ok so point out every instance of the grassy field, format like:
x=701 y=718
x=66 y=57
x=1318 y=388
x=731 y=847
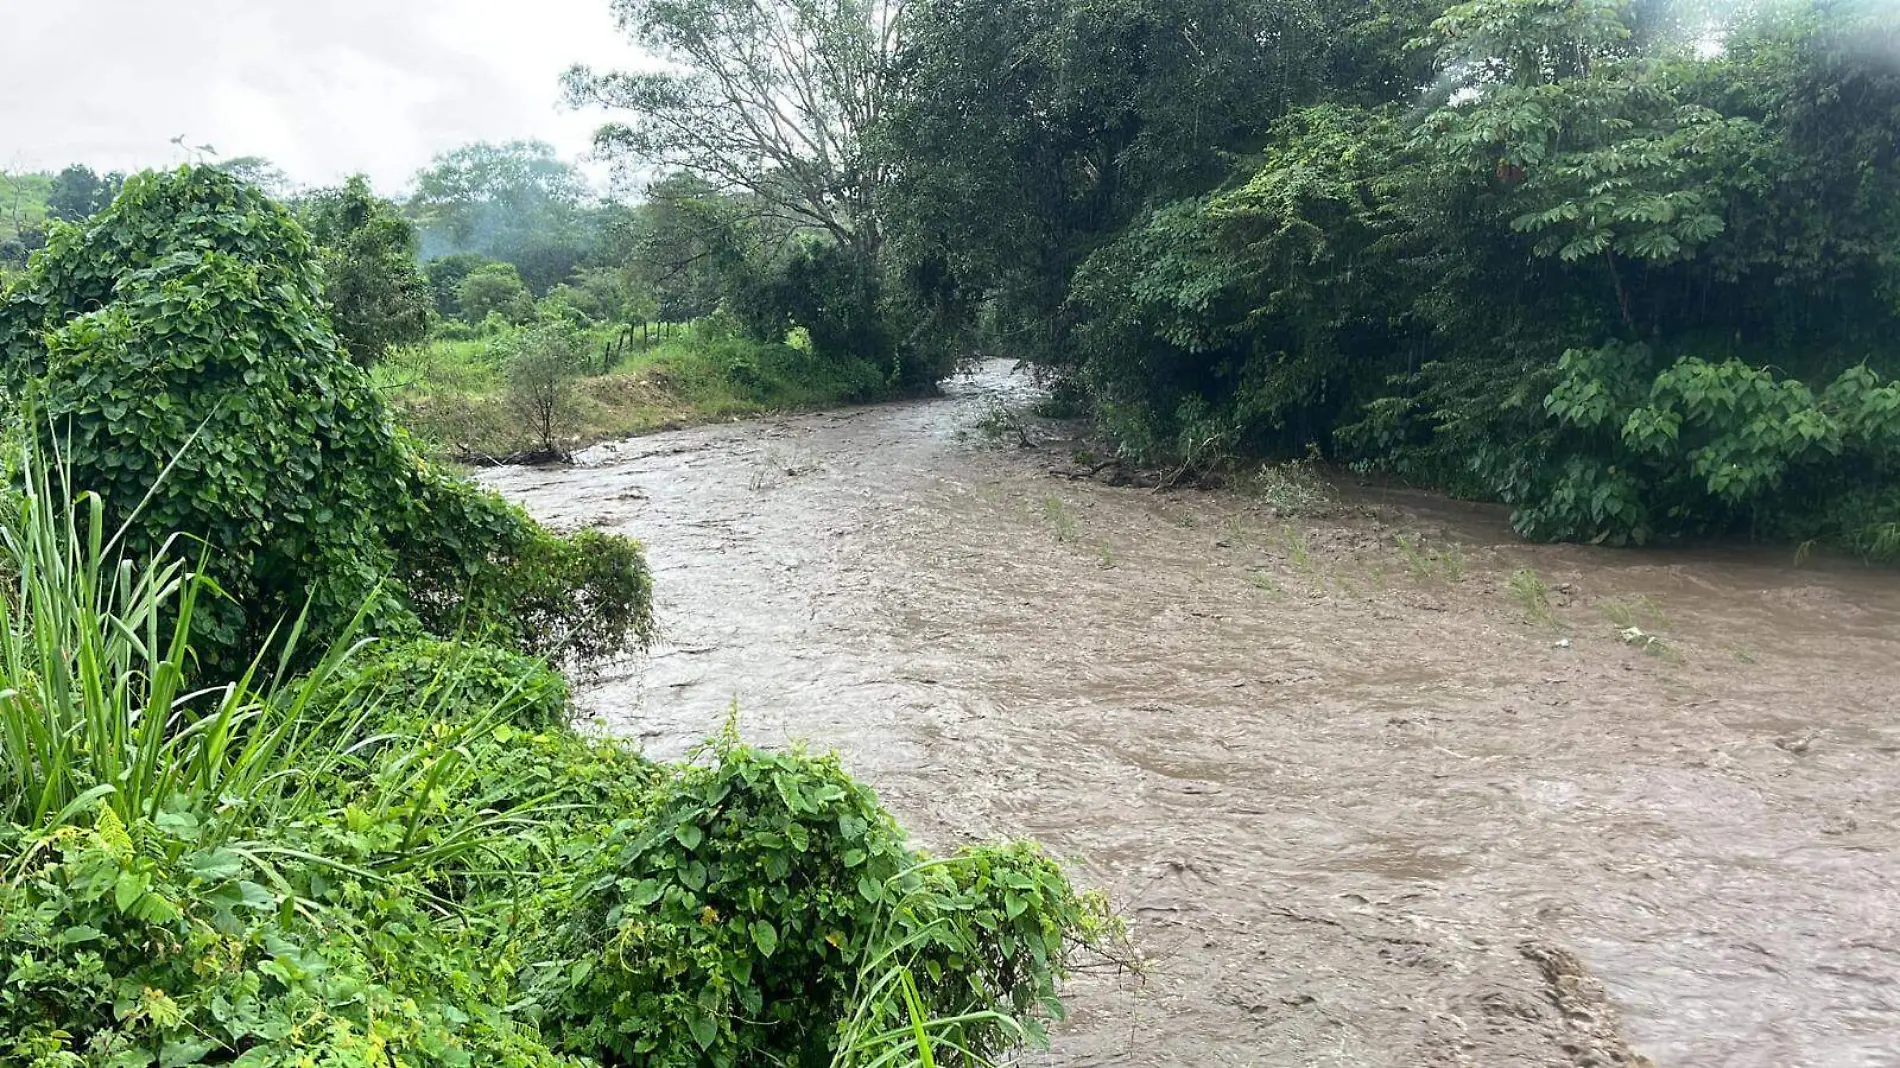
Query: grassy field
x=455 y=394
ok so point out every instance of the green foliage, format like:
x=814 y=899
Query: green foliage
x=542 y=366
x=397 y=679
x=455 y=391
x=686 y=240
x=1532 y=594
x=1032 y=135
x=476 y=566
x=92 y=663
x=730 y=927
x=180 y=332
x=242 y=873
x=140 y=944
x=606 y=295
x=1219 y=317
x=182 y=328
x=1397 y=277
x=494 y=289
x=837 y=299
x=515 y=202
x=782 y=218
x=444 y=275
x=818 y=74
x=78 y=193
x=24 y=213
x=256 y=171
x=1705 y=447
x=377 y=296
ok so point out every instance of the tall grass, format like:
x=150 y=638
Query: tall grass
x=101 y=707
x=889 y=1025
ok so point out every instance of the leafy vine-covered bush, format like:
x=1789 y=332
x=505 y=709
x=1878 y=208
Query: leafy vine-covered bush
x=476 y=566
x=183 y=332
x=1633 y=453
x=142 y=945
x=397 y=680
x=737 y=923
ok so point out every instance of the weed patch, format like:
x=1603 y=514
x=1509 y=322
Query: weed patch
x=1430 y=563
x=1291 y=490
x=1061 y=518
x=1531 y=594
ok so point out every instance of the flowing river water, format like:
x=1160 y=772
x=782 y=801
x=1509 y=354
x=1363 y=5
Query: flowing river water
x=1359 y=804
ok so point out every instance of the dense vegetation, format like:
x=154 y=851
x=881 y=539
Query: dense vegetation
x=1624 y=264
x=1622 y=278
x=1624 y=281
x=183 y=331
x=283 y=780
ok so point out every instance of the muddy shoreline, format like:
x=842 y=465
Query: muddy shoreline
x=1359 y=803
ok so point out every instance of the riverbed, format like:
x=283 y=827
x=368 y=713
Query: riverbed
x=1363 y=794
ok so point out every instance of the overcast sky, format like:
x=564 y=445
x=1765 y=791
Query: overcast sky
x=324 y=88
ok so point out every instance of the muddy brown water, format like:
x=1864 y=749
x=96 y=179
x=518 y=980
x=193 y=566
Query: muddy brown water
x=1358 y=805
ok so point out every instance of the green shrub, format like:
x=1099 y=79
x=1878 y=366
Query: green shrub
x=1633 y=453
x=475 y=565
x=139 y=945
x=541 y=367
x=378 y=297
x=245 y=873
x=401 y=679
x=734 y=926
x=190 y=314
x=494 y=289
x=182 y=331
x=444 y=275
x=839 y=300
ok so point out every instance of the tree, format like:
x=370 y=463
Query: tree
x=377 y=295
x=1027 y=135
x=444 y=275
x=688 y=242
x=517 y=202
x=78 y=193
x=542 y=364
x=772 y=97
x=494 y=289
x=607 y=295
x=257 y=171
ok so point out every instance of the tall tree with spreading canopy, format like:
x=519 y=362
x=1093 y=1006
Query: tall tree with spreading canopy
x=518 y=202
x=772 y=97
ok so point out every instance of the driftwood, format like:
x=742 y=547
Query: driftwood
x=1120 y=474
x=1079 y=474
x=525 y=458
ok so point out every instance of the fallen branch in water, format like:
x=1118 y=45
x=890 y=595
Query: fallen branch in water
x=1079 y=474
x=530 y=458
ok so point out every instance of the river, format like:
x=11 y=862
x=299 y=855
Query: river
x=1360 y=804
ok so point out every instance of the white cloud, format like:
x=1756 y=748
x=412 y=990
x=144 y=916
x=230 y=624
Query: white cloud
x=323 y=90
